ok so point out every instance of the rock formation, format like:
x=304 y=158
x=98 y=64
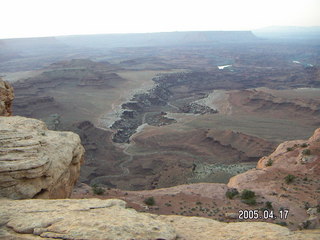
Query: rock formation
x=109 y=219
x=36 y=162
x=288 y=178
x=6 y=97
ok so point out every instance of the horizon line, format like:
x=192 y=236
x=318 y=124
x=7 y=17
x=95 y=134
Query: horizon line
x=181 y=31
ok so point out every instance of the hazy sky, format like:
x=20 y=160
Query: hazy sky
x=29 y=18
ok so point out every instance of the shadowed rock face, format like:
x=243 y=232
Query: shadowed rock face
x=109 y=219
x=36 y=162
x=6 y=97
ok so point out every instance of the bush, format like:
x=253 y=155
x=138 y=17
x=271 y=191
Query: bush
x=282 y=224
x=247 y=194
x=97 y=190
x=289 y=149
x=250 y=201
x=248 y=197
x=304 y=145
x=231 y=193
x=289 y=178
x=269 y=205
x=269 y=162
x=306 y=224
x=306 y=152
x=150 y=201
x=306 y=205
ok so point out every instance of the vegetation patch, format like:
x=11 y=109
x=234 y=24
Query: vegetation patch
x=248 y=197
x=269 y=205
x=306 y=152
x=306 y=205
x=231 y=193
x=97 y=190
x=289 y=178
x=149 y=201
x=282 y=224
x=269 y=162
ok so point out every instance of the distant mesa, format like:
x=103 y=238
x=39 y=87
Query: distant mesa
x=157 y=39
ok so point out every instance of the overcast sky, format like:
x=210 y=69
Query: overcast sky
x=33 y=18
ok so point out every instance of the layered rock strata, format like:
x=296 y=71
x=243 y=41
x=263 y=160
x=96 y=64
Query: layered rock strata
x=36 y=162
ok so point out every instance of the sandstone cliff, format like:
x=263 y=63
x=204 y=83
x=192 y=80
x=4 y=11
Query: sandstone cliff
x=6 y=97
x=36 y=162
x=109 y=219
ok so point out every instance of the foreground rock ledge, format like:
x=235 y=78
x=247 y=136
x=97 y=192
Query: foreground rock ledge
x=109 y=219
x=36 y=162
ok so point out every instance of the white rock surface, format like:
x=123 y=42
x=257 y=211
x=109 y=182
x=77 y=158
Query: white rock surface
x=95 y=219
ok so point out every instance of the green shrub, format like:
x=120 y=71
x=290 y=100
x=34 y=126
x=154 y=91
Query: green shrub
x=248 y=197
x=97 y=190
x=150 y=201
x=250 y=201
x=269 y=205
x=247 y=194
x=231 y=193
x=289 y=149
x=306 y=224
x=282 y=224
x=306 y=152
x=289 y=178
x=304 y=145
x=269 y=162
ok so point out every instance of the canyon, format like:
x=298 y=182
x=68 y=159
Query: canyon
x=181 y=136
x=93 y=218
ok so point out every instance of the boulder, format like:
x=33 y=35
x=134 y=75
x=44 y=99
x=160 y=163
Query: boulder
x=36 y=162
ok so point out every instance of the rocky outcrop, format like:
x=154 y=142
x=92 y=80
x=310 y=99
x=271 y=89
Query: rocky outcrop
x=36 y=162
x=288 y=178
x=6 y=97
x=109 y=219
